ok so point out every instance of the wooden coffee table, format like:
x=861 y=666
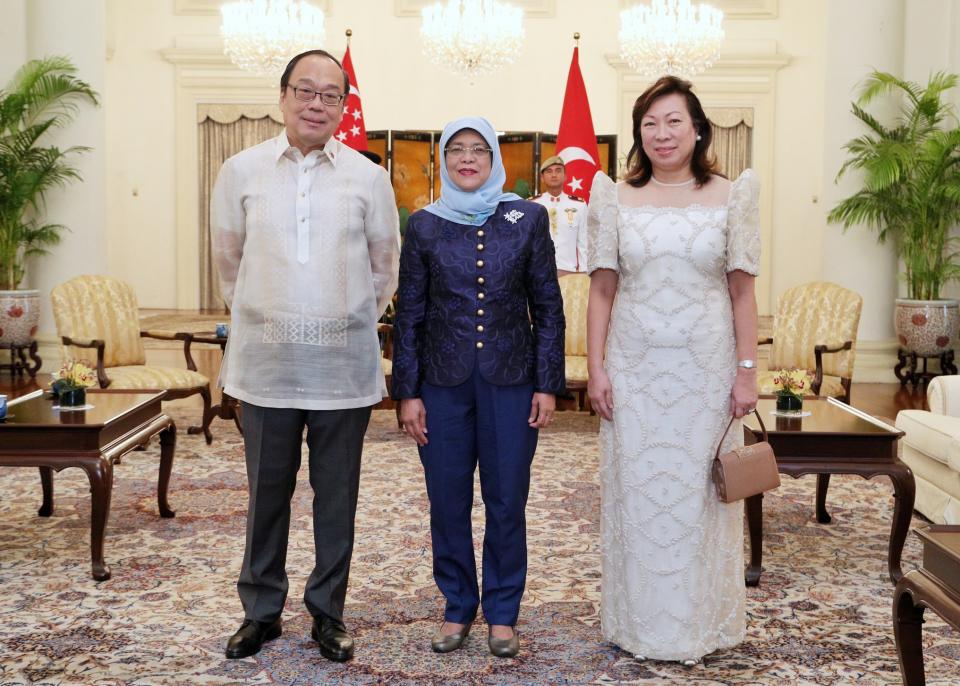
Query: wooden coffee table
x=936 y=585
x=834 y=439
x=36 y=435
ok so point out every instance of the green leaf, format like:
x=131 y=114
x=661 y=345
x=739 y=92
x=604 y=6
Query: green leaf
x=42 y=95
x=910 y=177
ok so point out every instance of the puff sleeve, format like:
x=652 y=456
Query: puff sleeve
x=743 y=224
x=602 y=241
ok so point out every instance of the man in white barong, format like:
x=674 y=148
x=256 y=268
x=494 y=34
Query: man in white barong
x=306 y=239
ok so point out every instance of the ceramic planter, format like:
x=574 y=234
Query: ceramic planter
x=927 y=327
x=19 y=317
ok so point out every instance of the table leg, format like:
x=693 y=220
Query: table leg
x=237 y=414
x=168 y=444
x=946 y=363
x=100 y=473
x=907 y=630
x=904 y=492
x=46 y=483
x=754 y=507
x=823 y=483
x=35 y=367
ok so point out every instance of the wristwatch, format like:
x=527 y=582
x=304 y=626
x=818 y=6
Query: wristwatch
x=747 y=364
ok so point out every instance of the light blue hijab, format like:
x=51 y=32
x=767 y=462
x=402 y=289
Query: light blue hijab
x=471 y=207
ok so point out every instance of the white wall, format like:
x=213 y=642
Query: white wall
x=13 y=37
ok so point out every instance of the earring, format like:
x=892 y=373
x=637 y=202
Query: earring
x=699 y=137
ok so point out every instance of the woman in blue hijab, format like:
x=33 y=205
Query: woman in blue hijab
x=477 y=363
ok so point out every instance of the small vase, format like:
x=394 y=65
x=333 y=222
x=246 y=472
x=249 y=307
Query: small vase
x=789 y=403
x=75 y=397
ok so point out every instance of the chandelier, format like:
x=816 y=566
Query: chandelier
x=472 y=37
x=261 y=36
x=670 y=37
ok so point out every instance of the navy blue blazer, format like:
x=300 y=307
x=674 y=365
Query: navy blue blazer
x=479 y=295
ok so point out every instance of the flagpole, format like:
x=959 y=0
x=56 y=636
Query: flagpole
x=576 y=38
x=349 y=33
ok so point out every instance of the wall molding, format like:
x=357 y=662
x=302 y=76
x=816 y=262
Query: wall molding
x=875 y=362
x=735 y=9
x=207 y=7
x=744 y=77
x=203 y=75
x=539 y=9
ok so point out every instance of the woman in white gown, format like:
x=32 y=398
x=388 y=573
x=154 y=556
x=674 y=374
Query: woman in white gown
x=672 y=338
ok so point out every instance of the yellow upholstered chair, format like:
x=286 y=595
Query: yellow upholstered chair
x=815 y=328
x=575 y=290
x=99 y=323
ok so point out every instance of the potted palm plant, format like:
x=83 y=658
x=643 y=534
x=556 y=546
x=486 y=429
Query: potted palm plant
x=44 y=94
x=911 y=195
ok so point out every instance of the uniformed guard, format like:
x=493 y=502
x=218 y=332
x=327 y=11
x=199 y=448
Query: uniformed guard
x=568 y=217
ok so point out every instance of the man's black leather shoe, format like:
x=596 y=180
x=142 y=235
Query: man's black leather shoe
x=335 y=643
x=250 y=638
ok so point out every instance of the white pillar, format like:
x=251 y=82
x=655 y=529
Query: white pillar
x=77 y=30
x=861 y=35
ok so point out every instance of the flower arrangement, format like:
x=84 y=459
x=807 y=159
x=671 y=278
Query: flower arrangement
x=788 y=385
x=72 y=377
x=791 y=382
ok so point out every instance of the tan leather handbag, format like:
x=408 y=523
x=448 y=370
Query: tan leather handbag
x=746 y=471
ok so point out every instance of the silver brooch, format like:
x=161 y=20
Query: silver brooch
x=513 y=216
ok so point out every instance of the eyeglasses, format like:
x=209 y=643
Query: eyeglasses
x=308 y=94
x=460 y=151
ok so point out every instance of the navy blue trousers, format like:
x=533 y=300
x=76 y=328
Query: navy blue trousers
x=478 y=422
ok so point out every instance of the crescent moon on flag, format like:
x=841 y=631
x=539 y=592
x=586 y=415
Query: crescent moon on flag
x=354 y=90
x=571 y=153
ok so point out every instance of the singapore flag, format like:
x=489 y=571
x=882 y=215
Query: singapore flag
x=576 y=141
x=352 y=131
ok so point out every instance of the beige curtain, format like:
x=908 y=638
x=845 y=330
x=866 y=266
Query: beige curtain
x=223 y=131
x=732 y=138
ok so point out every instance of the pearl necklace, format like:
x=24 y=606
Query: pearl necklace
x=672 y=185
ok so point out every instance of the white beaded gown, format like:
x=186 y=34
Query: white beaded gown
x=672 y=554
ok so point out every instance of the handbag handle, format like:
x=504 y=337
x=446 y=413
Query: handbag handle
x=730 y=423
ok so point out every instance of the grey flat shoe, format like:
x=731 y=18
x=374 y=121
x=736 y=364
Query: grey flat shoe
x=691 y=662
x=504 y=647
x=445 y=643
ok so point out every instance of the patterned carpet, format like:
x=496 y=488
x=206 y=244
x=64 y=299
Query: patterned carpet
x=820 y=616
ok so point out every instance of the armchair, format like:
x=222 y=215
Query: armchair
x=575 y=290
x=98 y=322
x=815 y=328
x=931 y=448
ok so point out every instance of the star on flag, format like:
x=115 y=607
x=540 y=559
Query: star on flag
x=576 y=140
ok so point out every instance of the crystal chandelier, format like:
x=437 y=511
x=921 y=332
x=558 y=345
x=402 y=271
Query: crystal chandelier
x=670 y=37
x=472 y=37
x=261 y=36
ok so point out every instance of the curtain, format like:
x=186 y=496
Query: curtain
x=732 y=138
x=223 y=131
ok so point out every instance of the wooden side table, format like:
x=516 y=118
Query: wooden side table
x=228 y=408
x=18 y=359
x=936 y=585
x=909 y=360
